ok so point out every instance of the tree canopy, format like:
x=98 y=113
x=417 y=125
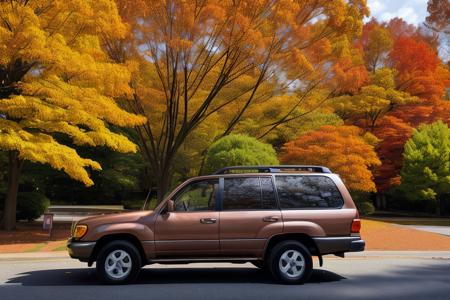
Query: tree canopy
x=55 y=79
x=239 y=150
x=426 y=168
x=344 y=149
x=193 y=60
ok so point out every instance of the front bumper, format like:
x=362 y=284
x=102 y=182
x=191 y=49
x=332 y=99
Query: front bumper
x=331 y=245
x=80 y=250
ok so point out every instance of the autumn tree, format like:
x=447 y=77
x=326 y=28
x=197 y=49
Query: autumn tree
x=426 y=169
x=439 y=14
x=400 y=28
x=416 y=70
x=373 y=100
x=55 y=80
x=376 y=42
x=239 y=150
x=346 y=150
x=192 y=60
x=419 y=69
x=392 y=132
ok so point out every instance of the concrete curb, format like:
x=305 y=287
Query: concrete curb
x=356 y=255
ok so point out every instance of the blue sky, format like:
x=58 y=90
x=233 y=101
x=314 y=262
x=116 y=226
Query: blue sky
x=412 y=11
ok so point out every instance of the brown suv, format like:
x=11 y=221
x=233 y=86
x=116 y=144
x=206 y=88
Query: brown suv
x=276 y=217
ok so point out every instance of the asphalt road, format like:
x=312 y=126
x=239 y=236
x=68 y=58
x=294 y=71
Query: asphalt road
x=383 y=277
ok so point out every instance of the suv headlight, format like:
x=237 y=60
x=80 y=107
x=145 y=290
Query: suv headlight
x=80 y=231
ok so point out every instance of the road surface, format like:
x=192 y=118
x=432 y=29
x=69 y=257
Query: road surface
x=386 y=276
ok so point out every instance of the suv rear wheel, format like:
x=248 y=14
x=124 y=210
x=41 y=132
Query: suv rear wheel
x=290 y=262
x=118 y=262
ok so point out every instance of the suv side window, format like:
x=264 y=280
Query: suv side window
x=297 y=191
x=197 y=196
x=268 y=200
x=247 y=193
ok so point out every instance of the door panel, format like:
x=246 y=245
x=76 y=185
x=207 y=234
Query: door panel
x=245 y=232
x=182 y=233
x=249 y=217
x=193 y=228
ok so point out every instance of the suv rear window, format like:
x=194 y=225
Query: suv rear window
x=297 y=191
x=247 y=193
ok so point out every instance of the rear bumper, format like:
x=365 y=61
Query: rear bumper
x=330 y=245
x=80 y=250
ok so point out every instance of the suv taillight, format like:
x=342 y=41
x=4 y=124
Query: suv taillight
x=356 y=225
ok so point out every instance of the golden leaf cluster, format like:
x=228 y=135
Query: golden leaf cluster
x=62 y=81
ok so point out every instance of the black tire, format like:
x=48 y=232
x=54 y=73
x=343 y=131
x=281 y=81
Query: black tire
x=294 y=274
x=118 y=248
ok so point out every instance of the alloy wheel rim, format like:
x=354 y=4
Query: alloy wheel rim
x=292 y=263
x=118 y=264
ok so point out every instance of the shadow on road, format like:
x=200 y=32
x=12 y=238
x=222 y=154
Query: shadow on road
x=62 y=277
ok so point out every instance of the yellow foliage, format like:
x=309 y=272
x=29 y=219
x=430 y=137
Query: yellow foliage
x=60 y=80
x=375 y=99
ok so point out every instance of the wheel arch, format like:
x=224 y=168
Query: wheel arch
x=116 y=237
x=303 y=238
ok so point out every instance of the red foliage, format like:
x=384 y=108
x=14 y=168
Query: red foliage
x=393 y=134
x=418 y=68
x=398 y=28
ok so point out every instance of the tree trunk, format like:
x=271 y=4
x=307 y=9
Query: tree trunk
x=380 y=202
x=9 y=212
x=163 y=184
x=439 y=206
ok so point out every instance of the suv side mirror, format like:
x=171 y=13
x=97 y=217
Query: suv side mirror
x=170 y=206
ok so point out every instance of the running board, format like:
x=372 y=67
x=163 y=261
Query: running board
x=235 y=260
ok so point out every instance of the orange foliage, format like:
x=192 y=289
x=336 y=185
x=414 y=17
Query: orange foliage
x=350 y=78
x=418 y=66
x=342 y=148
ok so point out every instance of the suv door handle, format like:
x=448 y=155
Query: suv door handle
x=208 y=221
x=270 y=219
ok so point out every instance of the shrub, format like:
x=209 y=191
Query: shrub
x=365 y=208
x=363 y=202
x=31 y=205
x=239 y=150
x=426 y=167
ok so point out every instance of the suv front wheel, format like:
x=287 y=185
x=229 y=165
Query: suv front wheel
x=118 y=262
x=290 y=262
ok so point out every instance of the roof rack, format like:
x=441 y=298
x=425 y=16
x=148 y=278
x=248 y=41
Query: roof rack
x=273 y=169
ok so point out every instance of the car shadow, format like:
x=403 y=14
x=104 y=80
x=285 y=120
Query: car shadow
x=155 y=275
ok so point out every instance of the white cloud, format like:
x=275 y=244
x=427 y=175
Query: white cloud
x=412 y=11
x=409 y=15
x=376 y=7
x=405 y=12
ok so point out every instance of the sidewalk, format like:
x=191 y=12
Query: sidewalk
x=444 y=230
